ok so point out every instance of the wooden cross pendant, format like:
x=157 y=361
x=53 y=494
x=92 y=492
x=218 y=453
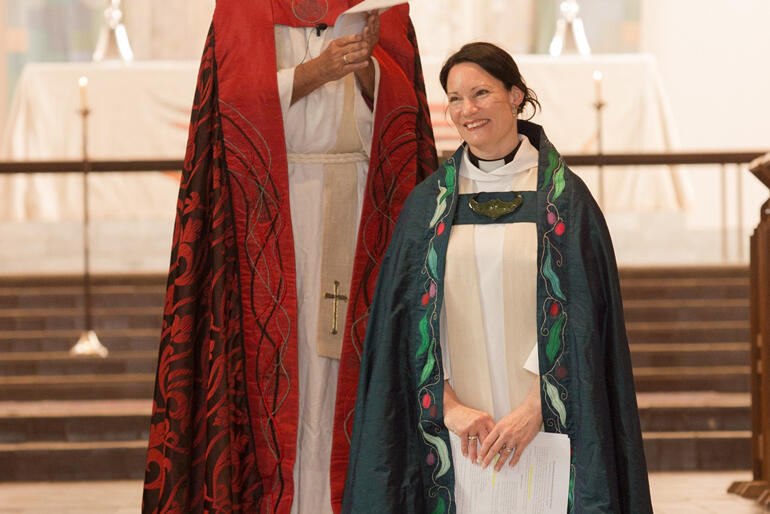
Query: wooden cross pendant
x=335 y=307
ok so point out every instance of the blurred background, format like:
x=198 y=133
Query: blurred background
x=682 y=83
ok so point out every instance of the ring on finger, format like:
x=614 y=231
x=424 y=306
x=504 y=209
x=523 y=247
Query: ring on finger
x=507 y=449
x=345 y=58
x=473 y=438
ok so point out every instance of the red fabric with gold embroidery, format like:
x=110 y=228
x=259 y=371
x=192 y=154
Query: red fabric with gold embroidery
x=224 y=424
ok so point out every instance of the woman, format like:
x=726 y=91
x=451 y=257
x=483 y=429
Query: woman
x=500 y=250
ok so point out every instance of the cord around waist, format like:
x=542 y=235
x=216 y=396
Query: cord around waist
x=327 y=158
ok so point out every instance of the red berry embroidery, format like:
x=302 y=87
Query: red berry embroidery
x=554 y=309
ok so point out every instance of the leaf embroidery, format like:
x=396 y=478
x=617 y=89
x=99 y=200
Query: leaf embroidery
x=553 y=161
x=428 y=369
x=554 y=339
x=440 y=507
x=440 y=205
x=558 y=182
x=442 y=450
x=424 y=341
x=549 y=273
x=553 y=395
x=432 y=261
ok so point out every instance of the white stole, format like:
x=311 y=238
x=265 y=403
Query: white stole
x=490 y=295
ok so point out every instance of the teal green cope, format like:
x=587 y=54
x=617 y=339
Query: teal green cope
x=400 y=459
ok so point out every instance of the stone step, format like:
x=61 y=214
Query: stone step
x=689 y=354
x=75 y=421
x=98 y=460
x=77 y=387
x=43 y=461
x=726 y=379
x=694 y=411
x=65 y=418
x=698 y=450
x=62 y=363
x=683 y=310
x=682 y=272
x=62 y=340
x=687 y=331
x=21 y=297
x=59 y=461
x=104 y=318
x=683 y=288
x=48 y=282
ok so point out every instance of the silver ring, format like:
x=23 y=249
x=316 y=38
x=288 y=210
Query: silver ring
x=473 y=438
x=345 y=58
x=507 y=449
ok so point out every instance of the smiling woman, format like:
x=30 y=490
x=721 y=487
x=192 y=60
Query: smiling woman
x=497 y=314
x=483 y=111
x=486 y=93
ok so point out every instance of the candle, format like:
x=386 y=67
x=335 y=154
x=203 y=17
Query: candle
x=598 y=85
x=83 y=83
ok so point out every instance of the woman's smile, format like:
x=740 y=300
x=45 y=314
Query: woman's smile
x=483 y=111
x=473 y=125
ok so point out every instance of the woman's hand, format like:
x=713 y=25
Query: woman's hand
x=470 y=425
x=511 y=435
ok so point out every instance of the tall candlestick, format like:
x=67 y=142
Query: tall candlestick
x=83 y=83
x=89 y=343
x=598 y=106
x=598 y=85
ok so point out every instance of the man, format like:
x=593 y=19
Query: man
x=291 y=186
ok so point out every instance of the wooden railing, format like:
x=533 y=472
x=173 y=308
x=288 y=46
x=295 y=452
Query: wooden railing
x=722 y=159
x=619 y=159
x=95 y=166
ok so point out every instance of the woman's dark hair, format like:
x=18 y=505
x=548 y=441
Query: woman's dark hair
x=498 y=63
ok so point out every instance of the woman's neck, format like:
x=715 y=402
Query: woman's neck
x=488 y=165
x=497 y=148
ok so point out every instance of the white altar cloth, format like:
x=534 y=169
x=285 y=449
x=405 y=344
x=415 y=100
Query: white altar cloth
x=141 y=111
x=138 y=111
x=636 y=119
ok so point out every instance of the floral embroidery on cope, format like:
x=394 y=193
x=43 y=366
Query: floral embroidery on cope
x=555 y=313
x=427 y=353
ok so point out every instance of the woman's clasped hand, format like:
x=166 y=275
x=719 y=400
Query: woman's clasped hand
x=470 y=425
x=513 y=433
x=482 y=439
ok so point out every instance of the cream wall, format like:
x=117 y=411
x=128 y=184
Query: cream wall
x=713 y=56
x=168 y=29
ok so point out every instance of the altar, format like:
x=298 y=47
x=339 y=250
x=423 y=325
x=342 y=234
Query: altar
x=141 y=111
x=138 y=111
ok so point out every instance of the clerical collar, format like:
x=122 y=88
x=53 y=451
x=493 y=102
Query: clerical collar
x=491 y=165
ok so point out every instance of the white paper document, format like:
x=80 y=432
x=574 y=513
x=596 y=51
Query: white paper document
x=370 y=5
x=353 y=20
x=538 y=484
